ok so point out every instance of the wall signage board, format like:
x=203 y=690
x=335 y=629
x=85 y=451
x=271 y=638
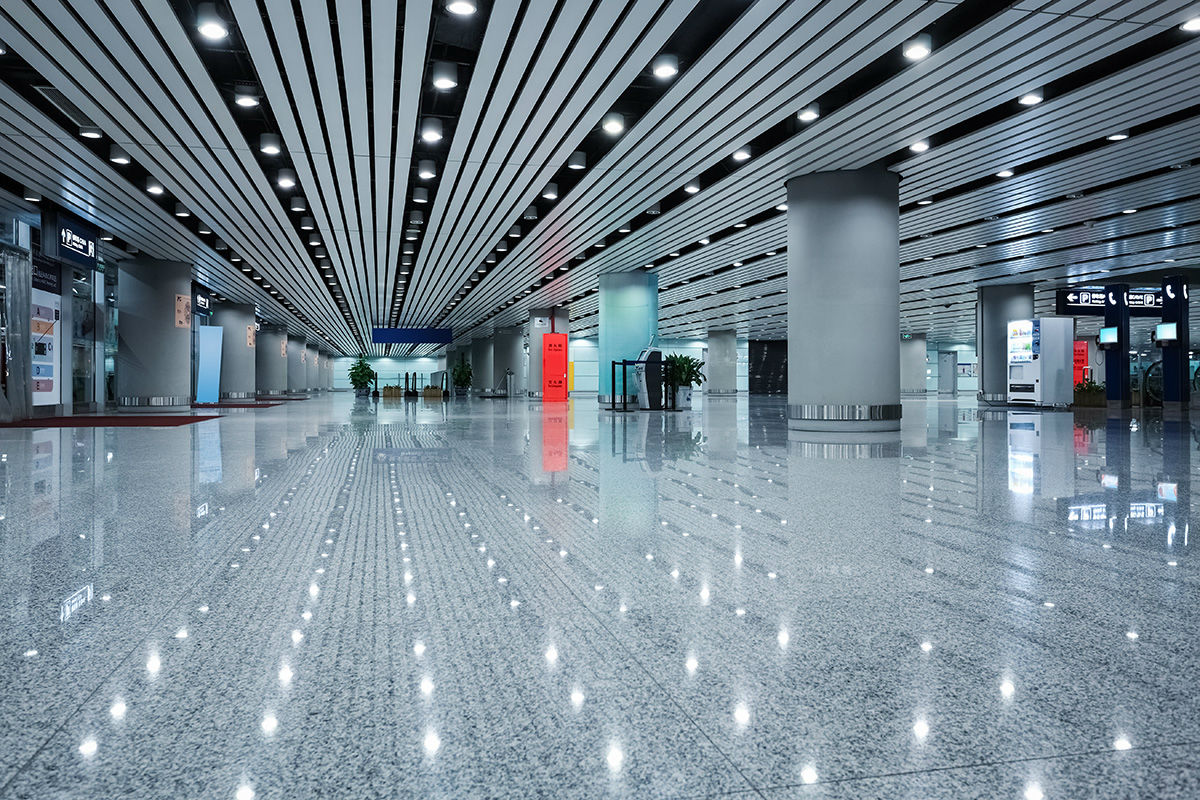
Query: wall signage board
x=202 y=304
x=1080 y=360
x=74 y=240
x=283 y=347
x=1090 y=302
x=46 y=337
x=554 y=367
x=250 y=331
x=183 y=311
x=304 y=356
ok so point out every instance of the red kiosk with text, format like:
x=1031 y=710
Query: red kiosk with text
x=554 y=367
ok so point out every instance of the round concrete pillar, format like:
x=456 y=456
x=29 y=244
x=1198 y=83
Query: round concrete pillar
x=154 y=345
x=238 y=364
x=271 y=361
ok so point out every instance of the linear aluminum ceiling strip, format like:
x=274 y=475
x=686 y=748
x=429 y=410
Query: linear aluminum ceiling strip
x=625 y=193
x=63 y=169
x=501 y=22
x=41 y=40
x=417 y=21
x=301 y=129
x=329 y=93
x=562 y=112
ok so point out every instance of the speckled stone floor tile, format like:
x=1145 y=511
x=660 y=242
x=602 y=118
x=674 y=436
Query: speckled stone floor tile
x=341 y=598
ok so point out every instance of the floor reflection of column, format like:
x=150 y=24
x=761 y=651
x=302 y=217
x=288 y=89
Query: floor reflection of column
x=628 y=508
x=238 y=446
x=719 y=424
x=1174 y=485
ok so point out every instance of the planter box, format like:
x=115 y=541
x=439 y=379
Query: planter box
x=1090 y=400
x=683 y=398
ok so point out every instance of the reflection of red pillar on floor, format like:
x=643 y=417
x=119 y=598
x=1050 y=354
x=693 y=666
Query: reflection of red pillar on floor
x=554 y=438
x=554 y=367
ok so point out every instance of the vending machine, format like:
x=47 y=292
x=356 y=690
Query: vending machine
x=1040 y=361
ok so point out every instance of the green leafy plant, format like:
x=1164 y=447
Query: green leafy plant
x=1089 y=387
x=682 y=371
x=461 y=374
x=361 y=374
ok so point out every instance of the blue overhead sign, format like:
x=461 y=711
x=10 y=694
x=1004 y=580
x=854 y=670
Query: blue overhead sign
x=411 y=335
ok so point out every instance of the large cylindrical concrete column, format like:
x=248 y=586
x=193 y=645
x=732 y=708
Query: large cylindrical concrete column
x=721 y=368
x=844 y=294
x=270 y=360
x=508 y=354
x=481 y=365
x=238 y=350
x=154 y=345
x=628 y=322
x=297 y=368
x=543 y=321
x=995 y=307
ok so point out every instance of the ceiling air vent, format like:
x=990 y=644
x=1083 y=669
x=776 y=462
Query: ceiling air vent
x=69 y=109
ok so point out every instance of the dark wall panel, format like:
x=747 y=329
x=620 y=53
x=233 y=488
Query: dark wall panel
x=768 y=367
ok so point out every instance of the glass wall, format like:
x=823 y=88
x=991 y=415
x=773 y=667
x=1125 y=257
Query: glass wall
x=83 y=338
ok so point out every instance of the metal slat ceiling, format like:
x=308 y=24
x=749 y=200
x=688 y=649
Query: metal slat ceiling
x=346 y=84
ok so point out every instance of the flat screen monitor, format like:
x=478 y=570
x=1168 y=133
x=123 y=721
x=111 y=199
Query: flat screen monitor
x=1166 y=332
x=1108 y=336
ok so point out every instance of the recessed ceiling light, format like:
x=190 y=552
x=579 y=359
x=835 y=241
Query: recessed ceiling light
x=692 y=186
x=1031 y=98
x=551 y=191
x=918 y=47
x=1047 y=230
x=426 y=169
x=739 y=225
x=461 y=7
x=285 y=179
x=117 y=154
x=210 y=24
x=1005 y=173
x=920 y=146
x=181 y=211
x=613 y=123
x=420 y=195
x=665 y=66
x=741 y=154
x=31 y=196
x=1118 y=137
x=90 y=132
x=1191 y=26
x=153 y=186
x=246 y=98
x=514 y=232
x=444 y=75
x=577 y=160
x=108 y=237
x=809 y=113
x=1129 y=211
x=925 y=202
x=770 y=252
x=431 y=130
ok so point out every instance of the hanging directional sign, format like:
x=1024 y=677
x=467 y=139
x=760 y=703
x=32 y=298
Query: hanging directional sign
x=1090 y=302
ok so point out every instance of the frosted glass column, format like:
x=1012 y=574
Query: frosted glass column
x=844 y=301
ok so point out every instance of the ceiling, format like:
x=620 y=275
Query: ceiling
x=347 y=87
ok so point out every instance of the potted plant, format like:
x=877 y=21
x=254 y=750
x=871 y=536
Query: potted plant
x=461 y=377
x=361 y=377
x=1089 y=394
x=681 y=373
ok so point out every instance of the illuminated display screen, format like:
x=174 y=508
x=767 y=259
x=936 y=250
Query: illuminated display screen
x=1166 y=332
x=1022 y=344
x=1108 y=336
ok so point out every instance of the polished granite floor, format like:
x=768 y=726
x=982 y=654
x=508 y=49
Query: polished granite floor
x=337 y=598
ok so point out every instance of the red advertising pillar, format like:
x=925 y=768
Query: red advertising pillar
x=554 y=367
x=1081 y=360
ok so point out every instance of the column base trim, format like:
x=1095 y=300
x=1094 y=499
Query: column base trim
x=153 y=402
x=844 y=412
x=237 y=395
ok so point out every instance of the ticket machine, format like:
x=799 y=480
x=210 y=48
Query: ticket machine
x=648 y=374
